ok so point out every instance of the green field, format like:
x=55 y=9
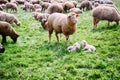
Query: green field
x=34 y=58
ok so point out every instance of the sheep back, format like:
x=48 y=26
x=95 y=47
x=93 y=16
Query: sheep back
x=106 y=13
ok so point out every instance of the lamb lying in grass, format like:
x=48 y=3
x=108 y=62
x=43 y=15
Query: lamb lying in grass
x=74 y=47
x=87 y=47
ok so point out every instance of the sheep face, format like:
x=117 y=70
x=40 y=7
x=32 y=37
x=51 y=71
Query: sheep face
x=14 y=38
x=73 y=17
x=2 y=49
x=17 y=22
x=83 y=43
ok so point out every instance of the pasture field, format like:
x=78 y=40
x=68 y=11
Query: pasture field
x=34 y=58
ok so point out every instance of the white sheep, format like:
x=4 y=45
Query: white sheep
x=87 y=47
x=74 y=47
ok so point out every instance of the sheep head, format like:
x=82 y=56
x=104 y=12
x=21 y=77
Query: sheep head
x=73 y=17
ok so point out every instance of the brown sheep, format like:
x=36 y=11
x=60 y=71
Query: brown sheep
x=2 y=49
x=3 y=1
x=10 y=18
x=40 y=16
x=62 y=23
x=7 y=30
x=55 y=8
x=20 y=1
x=109 y=13
x=28 y=6
x=68 y=5
x=76 y=10
x=86 y=4
x=45 y=5
x=11 y=6
x=34 y=1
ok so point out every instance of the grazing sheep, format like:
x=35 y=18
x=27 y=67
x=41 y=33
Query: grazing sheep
x=62 y=23
x=3 y=6
x=28 y=6
x=11 y=6
x=55 y=8
x=45 y=5
x=68 y=5
x=2 y=49
x=3 y=1
x=40 y=16
x=20 y=1
x=74 y=47
x=76 y=10
x=86 y=4
x=34 y=1
x=7 y=30
x=109 y=13
x=10 y=18
x=87 y=47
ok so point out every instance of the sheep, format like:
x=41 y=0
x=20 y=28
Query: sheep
x=11 y=6
x=45 y=5
x=20 y=1
x=105 y=12
x=39 y=16
x=75 y=10
x=28 y=6
x=74 y=47
x=86 y=4
x=2 y=49
x=55 y=8
x=10 y=18
x=62 y=23
x=3 y=1
x=35 y=1
x=87 y=47
x=7 y=30
x=68 y=5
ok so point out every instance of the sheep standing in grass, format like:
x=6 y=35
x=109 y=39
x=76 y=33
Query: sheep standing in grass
x=7 y=30
x=11 y=6
x=87 y=47
x=55 y=8
x=2 y=49
x=109 y=13
x=74 y=47
x=10 y=18
x=86 y=4
x=62 y=23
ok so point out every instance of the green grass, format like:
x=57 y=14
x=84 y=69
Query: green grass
x=34 y=58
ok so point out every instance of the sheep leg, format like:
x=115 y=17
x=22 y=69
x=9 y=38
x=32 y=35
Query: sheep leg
x=117 y=22
x=95 y=21
x=50 y=33
x=108 y=23
x=3 y=39
x=57 y=36
x=67 y=38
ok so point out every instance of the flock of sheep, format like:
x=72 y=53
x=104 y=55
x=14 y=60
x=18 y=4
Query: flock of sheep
x=51 y=15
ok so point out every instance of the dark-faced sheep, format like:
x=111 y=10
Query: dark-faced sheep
x=109 y=13
x=62 y=23
x=2 y=49
x=11 y=6
x=10 y=18
x=86 y=4
x=7 y=30
x=55 y=8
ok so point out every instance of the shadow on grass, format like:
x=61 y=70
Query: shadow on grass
x=114 y=27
